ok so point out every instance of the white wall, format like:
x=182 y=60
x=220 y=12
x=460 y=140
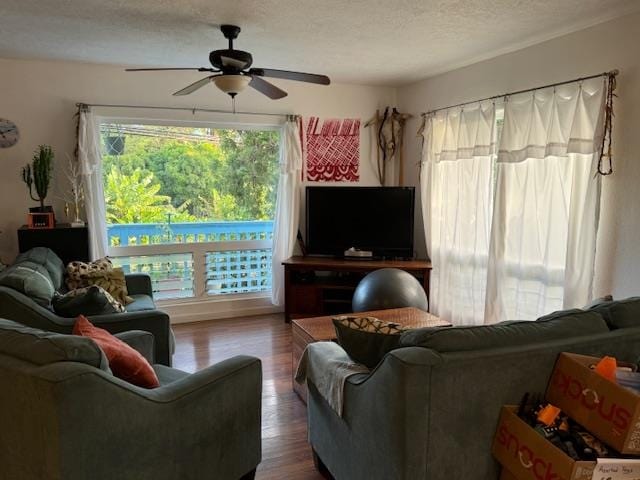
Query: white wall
x=597 y=49
x=40 y=98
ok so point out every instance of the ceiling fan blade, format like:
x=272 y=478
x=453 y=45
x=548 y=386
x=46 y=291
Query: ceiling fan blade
x=288 y=75
x=228 y=61
x=266 y=88
x=201 y=69
x=194 y=86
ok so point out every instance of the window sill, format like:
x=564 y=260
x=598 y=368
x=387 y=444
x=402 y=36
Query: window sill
x=198 y=309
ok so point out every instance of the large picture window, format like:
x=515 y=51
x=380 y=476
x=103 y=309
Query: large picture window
x=191 y=206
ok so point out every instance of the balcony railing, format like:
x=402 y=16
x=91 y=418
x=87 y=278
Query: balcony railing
x=171 y=274
x=125 y=234
x=200 y=259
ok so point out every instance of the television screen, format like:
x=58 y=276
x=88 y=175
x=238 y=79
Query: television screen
x=379 y=219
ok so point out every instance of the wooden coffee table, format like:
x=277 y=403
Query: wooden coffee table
x=320 y=329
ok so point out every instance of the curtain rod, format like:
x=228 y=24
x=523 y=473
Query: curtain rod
x=612 y=73
x=185 y=109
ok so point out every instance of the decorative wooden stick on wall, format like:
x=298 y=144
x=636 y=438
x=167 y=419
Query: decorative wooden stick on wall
x=389 y=130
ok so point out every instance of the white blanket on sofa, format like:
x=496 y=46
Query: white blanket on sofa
x=327 y=366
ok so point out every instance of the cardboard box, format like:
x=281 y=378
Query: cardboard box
x=607 y=410
x=527 y=455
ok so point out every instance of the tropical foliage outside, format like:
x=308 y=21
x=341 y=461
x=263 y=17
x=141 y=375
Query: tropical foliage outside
x=157 y=174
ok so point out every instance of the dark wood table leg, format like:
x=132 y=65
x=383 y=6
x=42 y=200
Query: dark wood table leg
x=287 y=294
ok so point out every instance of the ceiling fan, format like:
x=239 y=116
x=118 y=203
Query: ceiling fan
x=232 y=72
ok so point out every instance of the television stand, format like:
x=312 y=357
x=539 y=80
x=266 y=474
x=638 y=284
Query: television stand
x=319 y=286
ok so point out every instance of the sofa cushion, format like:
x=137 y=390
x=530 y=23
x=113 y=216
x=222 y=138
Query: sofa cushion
x=49 y=260
x=506 y=334
x=31 y=279
x=620 y=313
x=125 y=362
x=141 y=302
x=366 y=339
x=42 y=348
x=91 y=300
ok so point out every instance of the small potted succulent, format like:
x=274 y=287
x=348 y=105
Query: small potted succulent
x=38 y=174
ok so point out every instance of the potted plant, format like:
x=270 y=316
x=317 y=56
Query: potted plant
x=38 y=174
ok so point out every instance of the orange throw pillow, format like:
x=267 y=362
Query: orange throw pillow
x=125 y=362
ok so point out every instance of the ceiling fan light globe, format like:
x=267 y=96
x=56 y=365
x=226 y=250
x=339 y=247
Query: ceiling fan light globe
x=232 y=84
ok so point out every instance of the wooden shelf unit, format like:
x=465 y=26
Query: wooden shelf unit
x=317 y=286
x=69 y=243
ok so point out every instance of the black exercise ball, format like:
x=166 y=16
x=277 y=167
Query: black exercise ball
x=389 y=288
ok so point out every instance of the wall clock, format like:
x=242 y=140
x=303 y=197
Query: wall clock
x=8 y=133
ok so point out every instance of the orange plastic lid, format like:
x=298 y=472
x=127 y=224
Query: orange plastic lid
x=548 y=415
x=607 y=368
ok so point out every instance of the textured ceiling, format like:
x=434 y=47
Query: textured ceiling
x=386 y=42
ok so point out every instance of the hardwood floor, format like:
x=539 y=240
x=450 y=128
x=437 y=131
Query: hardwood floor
x=286 y=455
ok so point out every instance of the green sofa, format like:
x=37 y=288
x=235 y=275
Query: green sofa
x=26 y=298
x=429 y=410
x=64 y=416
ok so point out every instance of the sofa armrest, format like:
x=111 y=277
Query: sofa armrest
x=139 y=284
x=216 y=378
x=407 y=356
x=155 y=322
x=393 y=371
x=210 y=420
x=387 y=411
x=139 y=340
x=20 y=308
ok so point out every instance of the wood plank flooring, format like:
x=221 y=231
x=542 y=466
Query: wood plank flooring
x=286 y=455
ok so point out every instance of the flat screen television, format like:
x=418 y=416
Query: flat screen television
x=379 y=219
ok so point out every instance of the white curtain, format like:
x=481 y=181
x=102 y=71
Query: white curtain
x=285 y=226
x=545 y=217
x=91 y=170
x=456 y=193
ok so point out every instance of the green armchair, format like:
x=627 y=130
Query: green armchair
x=65 y=416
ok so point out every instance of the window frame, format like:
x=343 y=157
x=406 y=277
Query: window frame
x=198 y=250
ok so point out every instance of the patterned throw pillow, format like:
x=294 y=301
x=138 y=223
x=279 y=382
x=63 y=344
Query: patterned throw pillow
x=91 y=300
x=101 y=273
x=367 y=339
x=113 y=281
x=76 y=271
